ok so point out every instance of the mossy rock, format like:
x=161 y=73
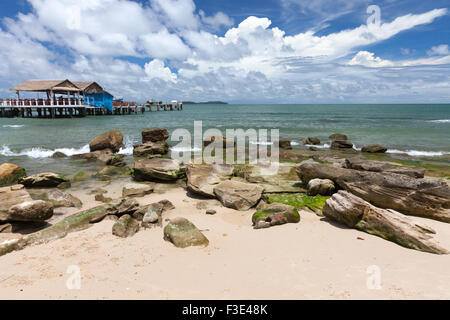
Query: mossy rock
x=275 y=214
x=125 y=227
x=183 y=233
x=81 y=176
x=108 y=172
x=10 y=174
x=299 y=200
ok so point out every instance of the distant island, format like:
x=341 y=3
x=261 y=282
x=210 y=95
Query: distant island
x=207 y=102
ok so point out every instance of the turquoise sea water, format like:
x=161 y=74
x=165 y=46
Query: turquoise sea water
x=419 y=129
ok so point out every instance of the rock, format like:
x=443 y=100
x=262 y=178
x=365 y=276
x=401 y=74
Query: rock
x=105 y=155
x=116 y=160
x=125 y=206
x=419 y=197
x=285 y=144
x=202 y=178
x=158 y=207
x=61 y=199
x=157 y=169
x=382 y=166
x=109 y=140
x=275 y=214
x=323 y=187
x=211 y=211
x=125 y=227
x=10 y=196
x=6 y=228
x=313 y=141
x=152 y=217
x=98 y=191
x=374 y=148
x=81 y=176
x=314 y=149
x=310 y=170
x=58 y=154
x=183 y=233
x=136 y=189
x=43 y=180
x=338 y=136
x=220 y=141
x=31 y=211
x=101 y=198
x=150 y=149
x=10 y=174
x=238 y=195
x=387 y=224
x=155 y=135
x=109 y=172
x=341 y=144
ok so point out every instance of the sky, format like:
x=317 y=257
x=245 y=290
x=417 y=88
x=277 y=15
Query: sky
x=256 y=51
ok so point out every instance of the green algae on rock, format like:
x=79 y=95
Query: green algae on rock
x=183 y=233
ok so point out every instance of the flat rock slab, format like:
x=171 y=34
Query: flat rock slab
x=308 y=171
x=43 y=180
x=31 y=211
x=274 y=214
x=61 y=199
x=150 y=149
x=157 y=169
x=391 y=225
x=136 y=190
x=238 y=195
x=183 y=233
x=382 y=166
x=202 y=178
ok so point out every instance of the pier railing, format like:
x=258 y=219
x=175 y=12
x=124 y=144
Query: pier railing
x=42 y=103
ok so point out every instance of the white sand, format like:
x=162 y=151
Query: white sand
x=310 y=260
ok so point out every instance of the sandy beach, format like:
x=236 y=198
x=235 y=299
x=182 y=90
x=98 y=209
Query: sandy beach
x=314 y=259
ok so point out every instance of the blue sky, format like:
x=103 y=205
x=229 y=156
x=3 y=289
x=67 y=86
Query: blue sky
x=265 y=51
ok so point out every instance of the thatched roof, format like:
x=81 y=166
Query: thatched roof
x=89 y=87
x=47 y=85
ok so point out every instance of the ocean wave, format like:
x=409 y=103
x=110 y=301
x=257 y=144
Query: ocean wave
x=440 y=121
x=38 y=152
x=418 y=153
x=128 y=148
x=13 y=126
x=324 y=146
x=184 y=149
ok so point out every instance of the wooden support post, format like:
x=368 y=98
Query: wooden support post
x=52 y=112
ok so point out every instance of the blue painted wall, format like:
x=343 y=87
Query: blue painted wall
x=100 y=100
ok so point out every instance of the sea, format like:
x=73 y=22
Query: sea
x=420 y=130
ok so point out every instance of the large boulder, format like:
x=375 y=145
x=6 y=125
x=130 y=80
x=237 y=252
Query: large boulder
x=238 y=195
x=157 y=169
x=106 y=156
x=311 y=170
x=382 y=166
x=341 y=144
x=136 y=190
x=10 y=196
x=109 y=140
x=284 y=144
x=150 y=149
x=154 y=135
x=274 y=214
x=61 y=199
x=43 y=180
x=338 y=136
x=183 y=233
x=354 y=212
x=312 y=140
x=411 y=196
x=374 y=148
x=10 y=174
x=31 y=211
x=125 y=227
x=323 y=187
x=202 y=178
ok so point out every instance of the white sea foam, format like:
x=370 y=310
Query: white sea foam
x=184 y=149
x=295 y=143
x=128 y=148
x=324 y=146
x=37 y=152
x=418 y=153
x=440 y=121
x=261 y=143
x=13 y=126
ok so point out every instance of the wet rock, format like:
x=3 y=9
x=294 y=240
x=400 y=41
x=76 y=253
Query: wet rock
x=341 y=144
x=150 y=149
x=43 y=180
x=374 y=148
x=109 y=172
x=157 y=169
x=112 y=140
x=323 y=187
x=388 y=224
x=202 y=178
x=285 y=144
x=125 y=227
x=338 y=136
x=81 y=176
x=313 y=149
x=275 y=214
x=61 y=199
x=105 y=155
x=238 y=195
x=183 y=233
x=31 y=211
x=312 y=140
x=155 y=135
x=116 y=160
x=10 y=174
x=58 y=155
x=136 y=190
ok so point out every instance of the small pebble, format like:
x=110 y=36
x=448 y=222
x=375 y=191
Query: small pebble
x=210 y=211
